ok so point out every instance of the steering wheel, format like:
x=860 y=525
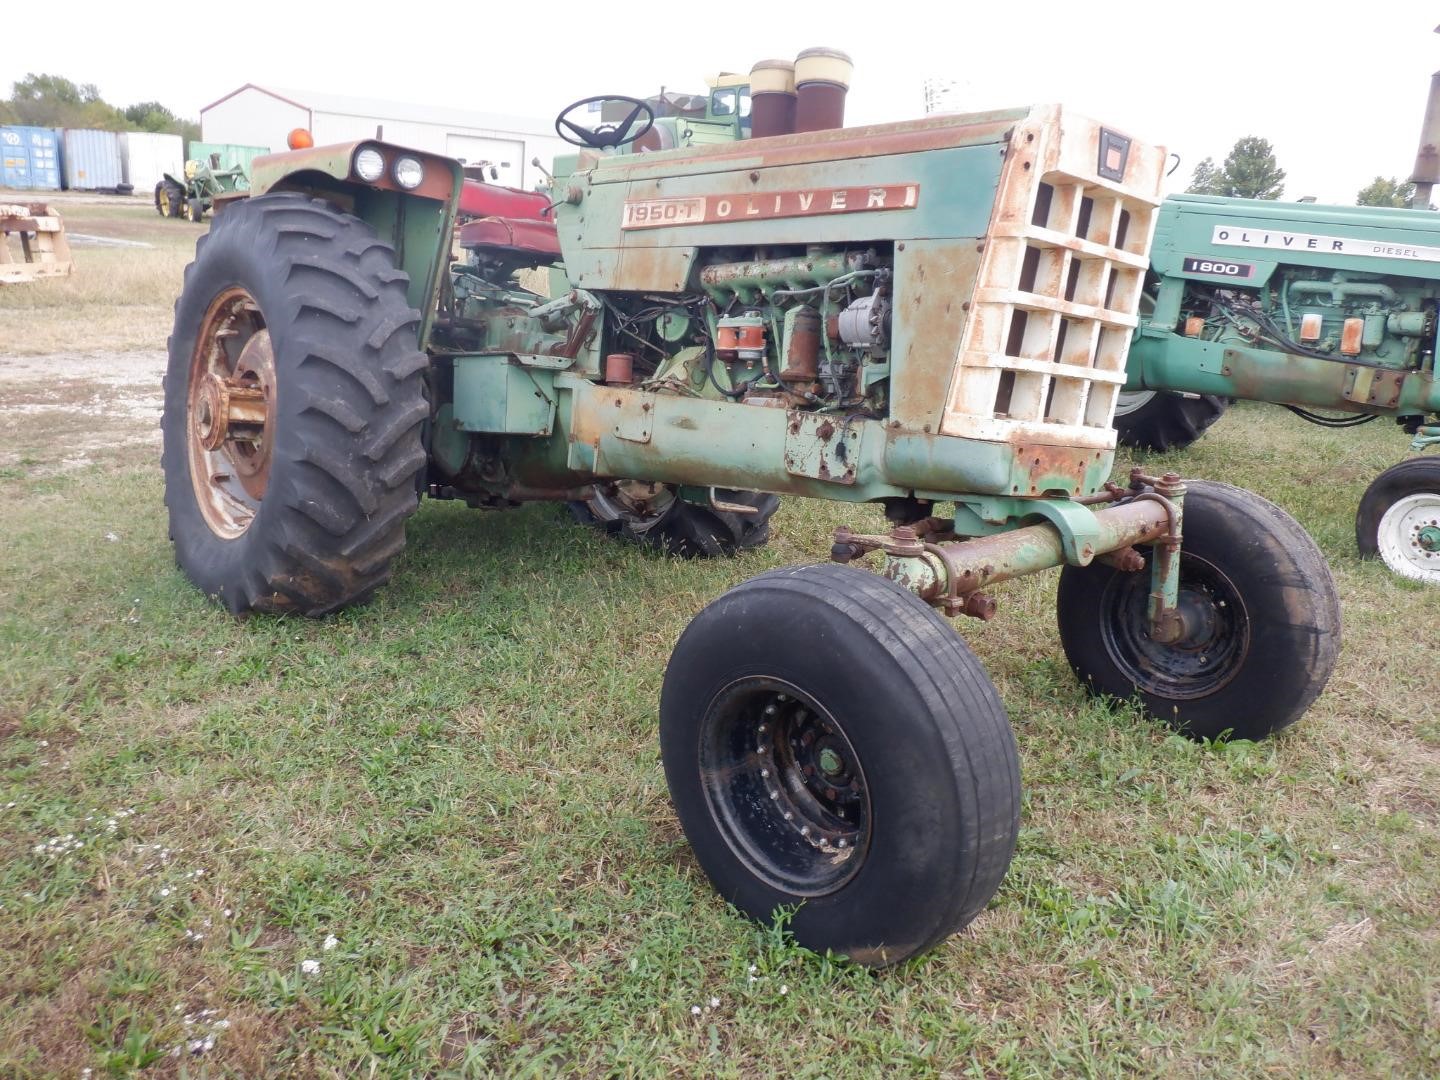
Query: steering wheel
x=606 y=136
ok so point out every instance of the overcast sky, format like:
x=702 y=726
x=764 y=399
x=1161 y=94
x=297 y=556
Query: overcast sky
x=1339 y=89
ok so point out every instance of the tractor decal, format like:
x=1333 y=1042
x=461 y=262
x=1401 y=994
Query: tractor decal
x=705 y=209
x=1238 y=236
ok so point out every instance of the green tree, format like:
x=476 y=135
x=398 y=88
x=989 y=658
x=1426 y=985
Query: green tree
x=1205 y=178
x=55 y=101
x=150 y=116
x=1250 y=172
x=1383 y=192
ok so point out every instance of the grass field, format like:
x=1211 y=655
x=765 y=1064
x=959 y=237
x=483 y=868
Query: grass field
x=432 y=835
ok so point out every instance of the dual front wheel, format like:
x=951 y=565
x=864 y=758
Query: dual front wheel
x=832 y=745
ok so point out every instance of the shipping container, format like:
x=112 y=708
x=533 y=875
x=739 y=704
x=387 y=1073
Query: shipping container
x=30 y=158
x=146 y=156
x=92 y=160
x=231 y=154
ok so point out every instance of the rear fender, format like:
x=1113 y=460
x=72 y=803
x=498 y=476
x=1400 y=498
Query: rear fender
x=417 y=223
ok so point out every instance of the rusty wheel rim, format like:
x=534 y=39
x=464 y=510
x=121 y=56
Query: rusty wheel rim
x=230 y=413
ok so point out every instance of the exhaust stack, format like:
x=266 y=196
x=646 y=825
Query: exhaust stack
x=1427 y=160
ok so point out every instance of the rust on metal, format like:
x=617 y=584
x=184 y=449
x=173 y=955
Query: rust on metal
x=230 y=412
x=844 y=144
x=950 y=574
x=932 y=280
x=228 y=408
x=1351 y=333
x=1127 y=559
x=440 y=176
x=619 y=369
x=578 y=335
x=802 y=348
x=1052 y=469
x=1373 y=386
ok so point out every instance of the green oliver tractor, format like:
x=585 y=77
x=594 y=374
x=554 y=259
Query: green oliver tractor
x=932 y=316
x=193 y=196
x=1312 y=307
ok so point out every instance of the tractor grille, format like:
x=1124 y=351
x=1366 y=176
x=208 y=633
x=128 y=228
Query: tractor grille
x=1042 y=356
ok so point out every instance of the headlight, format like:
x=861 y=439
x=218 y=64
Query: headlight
x=408 y=173
x=369 y=165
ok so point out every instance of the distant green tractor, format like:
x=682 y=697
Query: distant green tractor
x=930 y=316
x=1311 y=307
x=193 y=196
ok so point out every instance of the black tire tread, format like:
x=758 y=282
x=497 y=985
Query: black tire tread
x=1268 y=547
x=1409 y=477
x=691 y=531
x=1169 y=421
x=982 y=754
x=353 y=396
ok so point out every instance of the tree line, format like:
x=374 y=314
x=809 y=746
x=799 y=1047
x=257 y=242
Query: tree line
x=55 y=101
x=1250 y=171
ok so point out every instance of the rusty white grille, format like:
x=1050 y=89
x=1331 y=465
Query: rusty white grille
x=1042 y=356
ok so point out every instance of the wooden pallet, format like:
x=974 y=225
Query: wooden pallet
x=32 y=243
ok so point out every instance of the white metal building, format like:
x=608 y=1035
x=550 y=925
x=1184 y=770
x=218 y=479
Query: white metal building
x=263 y=116
x=145 y=157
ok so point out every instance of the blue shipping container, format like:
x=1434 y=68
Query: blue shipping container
x=30 y=158
x=92 y=160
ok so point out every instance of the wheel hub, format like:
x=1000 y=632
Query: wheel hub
x=229 y=409
x=1208 y=653
x=785 y=785
x=1409 y=537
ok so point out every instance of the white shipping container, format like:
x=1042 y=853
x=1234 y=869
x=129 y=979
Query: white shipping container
x=146 y=156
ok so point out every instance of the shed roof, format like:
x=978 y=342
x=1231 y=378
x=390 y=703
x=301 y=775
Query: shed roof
x=381 y=109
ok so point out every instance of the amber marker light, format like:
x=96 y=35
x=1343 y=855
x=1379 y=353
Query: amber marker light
x=299 y=139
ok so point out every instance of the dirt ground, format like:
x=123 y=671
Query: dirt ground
x=96 y=401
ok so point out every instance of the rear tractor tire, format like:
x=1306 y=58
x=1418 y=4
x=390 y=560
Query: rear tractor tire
x=1261 y=616
x=1159 y=420
x=654 y=515
x=830 y=742
x=170 y=199
x=294 y=400
x=1399 y=519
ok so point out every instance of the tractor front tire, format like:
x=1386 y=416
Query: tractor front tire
x=294 y=400
x=1261 y=617
x=1399 y=519
x=1159 y=420
x=832 y=746
x=194 y=210
x=655 y=516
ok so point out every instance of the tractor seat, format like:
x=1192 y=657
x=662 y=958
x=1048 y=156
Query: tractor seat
x=494 y=200
x=534 y=240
